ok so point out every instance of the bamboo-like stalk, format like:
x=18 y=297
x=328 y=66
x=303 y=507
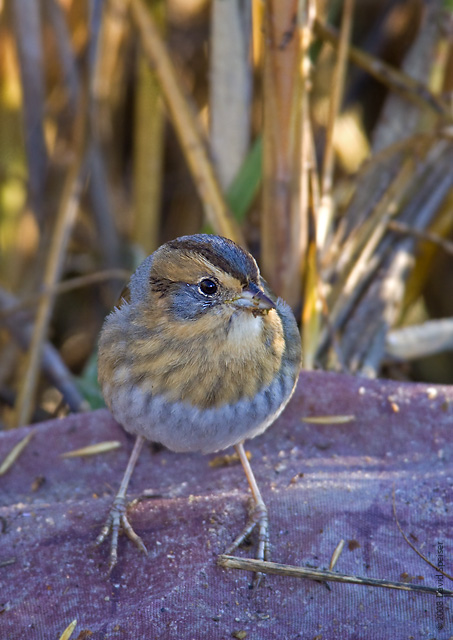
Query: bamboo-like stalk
x=310 y=317
x=186 y=126
x=148 y=148
x=281 y=228
x=257 y=37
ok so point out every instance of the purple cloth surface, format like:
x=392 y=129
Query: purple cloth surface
x=402 y=437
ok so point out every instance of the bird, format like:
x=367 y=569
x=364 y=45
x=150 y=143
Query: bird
x=198 y=355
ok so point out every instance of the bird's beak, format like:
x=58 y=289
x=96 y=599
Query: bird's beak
x=254 y=300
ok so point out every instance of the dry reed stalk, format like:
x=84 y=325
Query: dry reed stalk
x=28 y=29
x=186 y=125
x=148 y=148
x=230 y=87
x=248 y=564
x=326 y=211
x=63 y=227
x=281 y=227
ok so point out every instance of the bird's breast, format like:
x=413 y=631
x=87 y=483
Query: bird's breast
x=202 y=363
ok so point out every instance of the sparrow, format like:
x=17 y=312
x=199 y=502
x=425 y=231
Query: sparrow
x=199 y=355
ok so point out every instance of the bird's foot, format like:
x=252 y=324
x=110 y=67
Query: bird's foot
x=117 y=522
x=258 y=519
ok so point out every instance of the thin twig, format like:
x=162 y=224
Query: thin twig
x=393 y=78
x=413 y=547
x=261 y=566
x=425 y=236
x=64 y=287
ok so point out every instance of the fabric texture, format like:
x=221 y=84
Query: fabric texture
x=321 y=483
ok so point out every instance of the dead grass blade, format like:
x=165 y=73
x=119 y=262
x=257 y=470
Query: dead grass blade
x=93 y=449
x=335 y=419
x=67 y=633
x=336 y=554
x=15 y=453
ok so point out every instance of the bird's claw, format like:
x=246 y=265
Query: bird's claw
x=258 y=518
x=117 y=521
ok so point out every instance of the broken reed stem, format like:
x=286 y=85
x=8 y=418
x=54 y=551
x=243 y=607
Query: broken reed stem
x=261 y=566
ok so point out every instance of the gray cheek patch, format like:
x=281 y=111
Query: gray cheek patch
x=188 y=303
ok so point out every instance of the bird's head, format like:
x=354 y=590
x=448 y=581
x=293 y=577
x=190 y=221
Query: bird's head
x=195 y=276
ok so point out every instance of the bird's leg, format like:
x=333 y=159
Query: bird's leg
x=258 y=516
x=117 y=519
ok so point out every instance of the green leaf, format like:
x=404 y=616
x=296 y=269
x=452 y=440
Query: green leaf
x=246 y=184
x=88 y=384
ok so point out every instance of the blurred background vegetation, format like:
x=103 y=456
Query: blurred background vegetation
x=316 y=133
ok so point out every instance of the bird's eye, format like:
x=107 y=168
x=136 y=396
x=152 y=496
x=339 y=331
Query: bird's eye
x=208 y=287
